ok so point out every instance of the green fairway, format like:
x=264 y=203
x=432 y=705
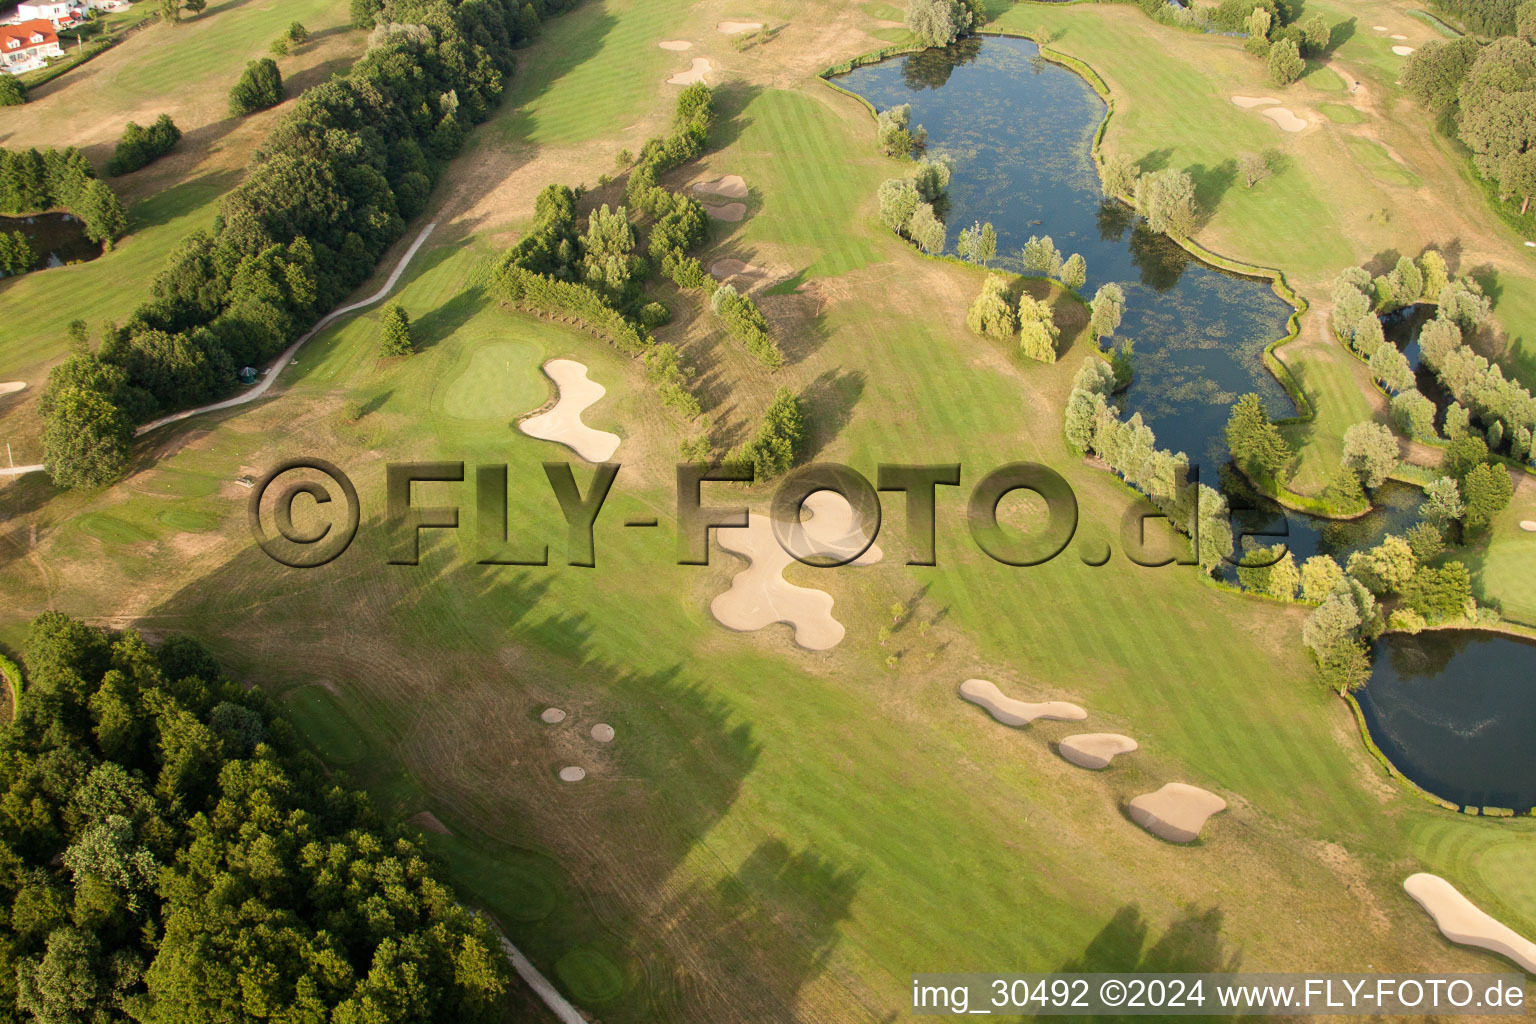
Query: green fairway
x=1380 y=165
x=110 y=530
x=324 y=725
x=589 y=976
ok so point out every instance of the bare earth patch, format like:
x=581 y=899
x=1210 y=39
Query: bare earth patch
x=725 y=269
x=1096 y=750
x=674 y=44
x=1249 y=102
x=427 y=821
x=1014 y=712
x=1462 y=922
x=760 y=595
x=732 y=212
x=732 y=186
x=562 y=424
x=695 y=73
x=1177 y=812
x=730 y=28
x=1283 y=117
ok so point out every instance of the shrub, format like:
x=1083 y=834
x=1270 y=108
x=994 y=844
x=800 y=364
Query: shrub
x=654 y=315
x=260 y=87
x=139 y=146
x=745 y=322
x=12 y=92
x=777 y=443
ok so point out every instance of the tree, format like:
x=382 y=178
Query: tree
x=1370 y=452
x=1464 y=454
x=986 y=249
x=1319 y=575
x=1040 y=256
x=1464 y=303
x=1037 y=329
x=608 y=260
x=1269 y=571
x=1384 y=568
x=1433 y=73
x=938 y=22
x=101 y=214
x=1436 y=275
x=1106 y=310
x=1442 y=503
x=85 y=438
x=927 y=230
x=1487 y=491
x=260 y=87
x=395 y=336
x=931 y=176
x=1495 y=114
x=894 y=133
x=1119 y=176
x=1284 y=62
x=1255 y=442
x=1390 y=366
x=774 y=449
x=1427 y=542
x=1166 y=199
x=1414 y=414
x=1254 y=168
x=1440 y=594
x=1368 y=336
x=898 y=202
x=12 y=92
x=1316 y=35
x=1258 y=32
x=279 y=47
x=170 y=10
x=1074 y=272
x=195 y=6
x=297 y=33
x=16 y=255
x=992 y=314
x=968 y=244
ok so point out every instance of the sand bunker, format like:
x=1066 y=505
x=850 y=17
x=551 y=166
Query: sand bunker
x=695 y=73
x=725 y=269
x=1017 y=712
x=1249 y=102
x=732 y=186
x=602 y=732
x=674 y=44
x=1177 y=812
x=1283 y=117
x=730 y=211
x=730 y=28
x=553 y=715
x=1462 y=922
x=562 y=424
x=1399 y=37
x=1379 y=28
x=760 y=596
x=1528 y=525
x=572 y=773
x=1402 y=51
x=12 y=386
x=1095 y=749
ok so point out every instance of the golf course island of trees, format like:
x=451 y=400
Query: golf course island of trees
x=1251 y=278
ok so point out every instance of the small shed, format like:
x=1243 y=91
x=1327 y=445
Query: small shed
x=248 y=375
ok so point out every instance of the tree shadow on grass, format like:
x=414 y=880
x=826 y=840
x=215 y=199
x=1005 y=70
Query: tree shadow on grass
x=829 y=401
x=1192 y=944
x=1212 y=184
x=440 y=324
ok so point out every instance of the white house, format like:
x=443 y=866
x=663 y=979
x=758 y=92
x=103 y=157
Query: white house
x=59 y=13
x=27 y=46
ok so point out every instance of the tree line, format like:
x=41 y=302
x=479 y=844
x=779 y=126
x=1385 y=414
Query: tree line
x=1484 y=94
x=170 y=853
x=327 y=192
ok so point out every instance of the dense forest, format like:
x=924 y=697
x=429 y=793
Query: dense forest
x=169 y=854
x=327 y=192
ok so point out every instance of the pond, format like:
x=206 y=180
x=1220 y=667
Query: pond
x=1020 y=130
x=1455 y=711
x=57 y=238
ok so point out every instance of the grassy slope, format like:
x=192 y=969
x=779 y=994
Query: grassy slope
x=184 y=70
x=815 y=826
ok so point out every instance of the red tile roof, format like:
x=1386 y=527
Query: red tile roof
x=24 y=33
